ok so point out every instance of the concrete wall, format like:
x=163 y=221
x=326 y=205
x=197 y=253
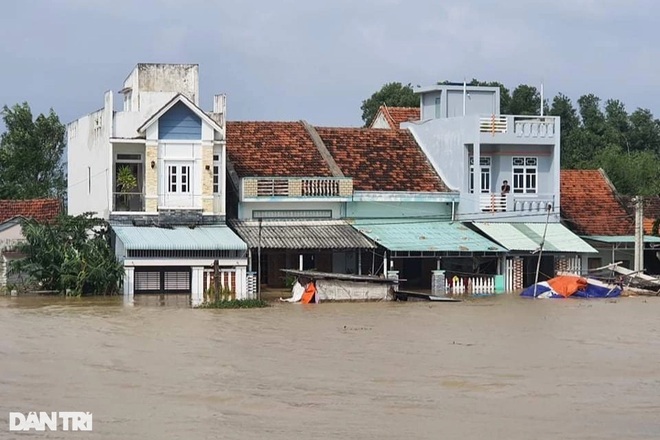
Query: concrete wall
x=89 y=161
x=443 y=141
x=150 y=82
x=446 y=101
x=245 y=209
x=397 y=209
x=179 y=78
x=476 y=102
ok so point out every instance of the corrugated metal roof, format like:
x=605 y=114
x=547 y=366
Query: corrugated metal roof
x=301 y=234
x=180 y=239
x=528 y=236
x=425 y=236
x=620 y=238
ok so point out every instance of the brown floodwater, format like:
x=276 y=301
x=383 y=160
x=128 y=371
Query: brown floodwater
x=489 y=368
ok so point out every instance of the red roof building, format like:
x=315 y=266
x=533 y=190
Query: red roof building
x=590 y=204
x=381 y=160
x=392 y=117
x=38 y=209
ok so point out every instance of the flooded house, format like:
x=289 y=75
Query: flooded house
x=155 y=169
x=594 y=210
x=507 y=171
x=12 y=215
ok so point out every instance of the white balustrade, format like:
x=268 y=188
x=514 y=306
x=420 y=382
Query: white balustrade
x=477 y=285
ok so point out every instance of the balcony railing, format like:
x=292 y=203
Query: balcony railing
x=531 y=203
x=128 y=202
x=543 y=127
x=307 y=187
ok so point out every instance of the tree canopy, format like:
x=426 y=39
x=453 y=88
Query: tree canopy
x=31 y=154
x=71 y=254
x=392 y=94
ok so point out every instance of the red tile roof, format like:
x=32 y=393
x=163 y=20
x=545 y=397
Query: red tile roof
x=396 y=115
x=591 y=206
x=381 y=160
x=651 y=212
x=38 y=209
x=282 y=149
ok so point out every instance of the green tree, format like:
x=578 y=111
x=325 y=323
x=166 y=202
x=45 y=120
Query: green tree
x=637 y=173
x=392 y=94
x=570 y=124
x=70 y=254
x=644 y=131
x=592 y=116
x=525 y=100
x=31 y=155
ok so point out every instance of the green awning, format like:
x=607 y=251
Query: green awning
x=201 y=238
x=620 y=238
x=528 y=237
x=424 y=236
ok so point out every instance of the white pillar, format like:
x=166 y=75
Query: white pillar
x=241 y=282
x=197 y=286
x=129 y=285
x=129 y=281
x=300 y=262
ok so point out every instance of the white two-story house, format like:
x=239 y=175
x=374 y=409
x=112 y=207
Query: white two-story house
x=507 y=170
x=155 y=170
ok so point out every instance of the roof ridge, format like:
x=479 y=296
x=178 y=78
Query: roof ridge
x=323 y=150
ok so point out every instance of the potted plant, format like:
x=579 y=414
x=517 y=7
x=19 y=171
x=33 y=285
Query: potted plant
x=126 y=182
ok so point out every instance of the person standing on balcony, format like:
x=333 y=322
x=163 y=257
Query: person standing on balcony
x=506 y=189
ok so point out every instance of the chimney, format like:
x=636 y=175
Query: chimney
x=220 y=109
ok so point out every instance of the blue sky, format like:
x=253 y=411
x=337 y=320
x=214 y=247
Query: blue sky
x=317 y=60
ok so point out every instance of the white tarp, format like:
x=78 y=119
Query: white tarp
x=342 y=290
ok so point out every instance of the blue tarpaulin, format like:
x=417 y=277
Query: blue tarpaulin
x=571 y=286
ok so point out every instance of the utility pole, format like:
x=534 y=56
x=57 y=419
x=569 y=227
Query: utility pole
x=639 y=234
x=538 y=261
x=259 y=263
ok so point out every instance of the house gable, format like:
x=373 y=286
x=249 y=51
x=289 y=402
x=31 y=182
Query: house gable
x=179 y=122
x=180 y=118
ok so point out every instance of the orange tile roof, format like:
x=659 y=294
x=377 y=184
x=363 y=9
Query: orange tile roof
x=281 y=149
x=591 y=206
x=396 y=115
x=38 y=209
x=381 y=160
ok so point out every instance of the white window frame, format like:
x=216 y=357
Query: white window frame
x=217 y=173
x=176 y=186
x=486 y=175
x=525 y=174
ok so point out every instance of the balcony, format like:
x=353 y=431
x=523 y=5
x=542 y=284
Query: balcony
x=296 y=187
x=521 y=203
x=128 y=202
x=518 y=129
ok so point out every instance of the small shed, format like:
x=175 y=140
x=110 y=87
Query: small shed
x=347 y=287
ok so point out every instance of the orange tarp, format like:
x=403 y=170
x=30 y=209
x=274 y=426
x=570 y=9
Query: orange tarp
x=567 y=285
x=309 y=294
